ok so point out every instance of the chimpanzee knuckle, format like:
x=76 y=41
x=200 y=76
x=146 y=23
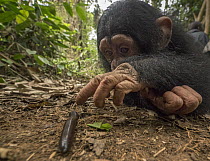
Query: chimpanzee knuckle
x=94 y=82
x=172 y=101
x=177 y=89
x=194 y=93
x=108 y=81
x=187 y=87
x=128 y=86
x=160 y=103
x=124 y=77
x=126 y=69
x=120 y=87
x=97 y=79
x=192 y=102
x=124 y=66
x=175 y=103
x=122 y=90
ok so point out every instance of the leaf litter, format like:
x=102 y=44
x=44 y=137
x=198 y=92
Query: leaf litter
x=32 y=115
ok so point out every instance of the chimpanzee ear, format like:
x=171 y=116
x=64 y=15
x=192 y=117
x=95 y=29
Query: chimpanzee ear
x=165 y=25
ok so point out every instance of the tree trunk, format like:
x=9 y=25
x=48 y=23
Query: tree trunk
x=199 y=18
x=207 y=22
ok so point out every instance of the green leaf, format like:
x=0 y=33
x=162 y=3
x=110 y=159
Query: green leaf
x=61 y=45
x=12 y=7
x=61 y=66
x=65 y=27
x=18 y=56
x=7 y=16
x=1 y=1
x=38 y=60
x=95 y=125
x=8 y=61
x=106 y=126
x=81 y=12
x=51 y=23
x=20 y=18
x=52 y=9
x=30 y=52
x=66 y=38
x=43 y=60
x=68 y=8
x=23 y=25
x=27 y=8
x=42 y=25
x=69 y=73
x=1 y=26
x=99 y=125
x=2 y=80
x=48 y=10
x=82 y=4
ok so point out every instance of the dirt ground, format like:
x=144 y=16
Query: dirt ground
x=32 y=116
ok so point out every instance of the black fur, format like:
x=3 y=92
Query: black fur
x=180 y=63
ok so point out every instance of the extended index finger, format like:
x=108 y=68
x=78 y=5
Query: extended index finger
x=88 y=90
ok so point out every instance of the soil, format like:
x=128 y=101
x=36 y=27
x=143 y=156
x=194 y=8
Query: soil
x=32 y=116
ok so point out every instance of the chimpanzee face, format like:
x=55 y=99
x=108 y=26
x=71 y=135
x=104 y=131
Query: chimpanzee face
x=117 y=49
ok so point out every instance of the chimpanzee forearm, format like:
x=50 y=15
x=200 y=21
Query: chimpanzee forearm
x=163 y=72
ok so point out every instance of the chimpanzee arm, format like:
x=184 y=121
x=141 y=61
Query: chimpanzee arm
x=163 y=72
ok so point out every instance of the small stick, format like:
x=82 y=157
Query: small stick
x=52 y=155
x=160 y=151
x=30 y=157
x=67 y=135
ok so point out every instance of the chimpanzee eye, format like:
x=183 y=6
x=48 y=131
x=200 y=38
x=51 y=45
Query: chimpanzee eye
x=124 y=50
x=108 y=52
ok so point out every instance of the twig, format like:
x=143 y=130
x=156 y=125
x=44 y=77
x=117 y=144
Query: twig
x=115 y=107
x=160 y=151
x=4 y=56
x=52 y=155
x=122 y=157
x=186 y=145
x=18 y=74
x=174 y=123
x=10 y=46
x=30 y=157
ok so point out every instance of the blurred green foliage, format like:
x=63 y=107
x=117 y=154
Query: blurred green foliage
x=32 y=35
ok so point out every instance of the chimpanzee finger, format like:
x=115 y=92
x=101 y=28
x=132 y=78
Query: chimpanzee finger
x=192 y=91
x=124 y=88
x=88 y=90
x=105 y=86
x=168 y=103
x=191 y=102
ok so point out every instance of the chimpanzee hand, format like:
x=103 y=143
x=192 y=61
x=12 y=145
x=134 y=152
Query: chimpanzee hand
x=123 y=80
x=180 y=100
